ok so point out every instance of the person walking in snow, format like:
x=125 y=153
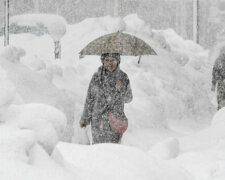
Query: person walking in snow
x=108 y=90
x=218 y=78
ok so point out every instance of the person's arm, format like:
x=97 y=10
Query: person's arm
x=124 y=90
x=89 y=104
x=128 y=96
x=214 y=74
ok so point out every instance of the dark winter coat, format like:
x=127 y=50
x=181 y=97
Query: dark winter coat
x=218 y=77
x=101 y=96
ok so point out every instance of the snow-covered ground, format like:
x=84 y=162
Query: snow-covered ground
x=172 y=134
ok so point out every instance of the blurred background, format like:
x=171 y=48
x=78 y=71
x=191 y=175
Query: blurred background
x=161 y=14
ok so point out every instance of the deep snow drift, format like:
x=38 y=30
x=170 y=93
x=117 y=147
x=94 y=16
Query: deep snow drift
x=168 y=116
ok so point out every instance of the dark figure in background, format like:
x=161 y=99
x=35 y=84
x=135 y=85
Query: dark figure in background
x=109 y=89
x=218 y=78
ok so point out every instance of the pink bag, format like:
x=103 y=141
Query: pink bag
x=117 y=125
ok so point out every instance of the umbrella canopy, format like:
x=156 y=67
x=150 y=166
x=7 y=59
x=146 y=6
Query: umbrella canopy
x=122 y=43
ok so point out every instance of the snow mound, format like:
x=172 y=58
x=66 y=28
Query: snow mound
x=218 y=125
x=180 y=58
x=23 y=159
x=207 y=138
x=35 y=64
x=7 y=91
x=219 y=117
x=28 y=134
x=55 y=69
x=160 y=40
x=15 y=143
x=111 y=24
x=47 y=122
x=167 y=149
x=136 y=25
x=35 y=88
x=110 y=161
x=12 y=53
x=206 y=164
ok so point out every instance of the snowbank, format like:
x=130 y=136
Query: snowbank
x=35 y=88
x=12 y=53
x=7 y=91
x=171 y=90
x=135 y=25
x=168 y=148
x=28 y=132
x=202 y=153
x=110 y=161
x=172 y=98
x=47 y=122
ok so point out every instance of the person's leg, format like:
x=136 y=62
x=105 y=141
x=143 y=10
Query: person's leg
x=220 y=95
x=115 y=138
x=99 y=137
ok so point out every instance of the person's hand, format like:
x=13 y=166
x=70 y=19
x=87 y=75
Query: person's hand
x=82 y=125
x=119 y=85
x=213 y=88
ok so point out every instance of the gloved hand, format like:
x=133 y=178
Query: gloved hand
x=119 y=85
x=82 y=125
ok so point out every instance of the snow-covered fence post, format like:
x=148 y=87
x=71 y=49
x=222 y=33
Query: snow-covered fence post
x=57 y=50
x=57 y=30
x=6 y=23
x=196 y=21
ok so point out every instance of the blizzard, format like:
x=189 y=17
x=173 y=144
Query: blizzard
x=174 y=129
